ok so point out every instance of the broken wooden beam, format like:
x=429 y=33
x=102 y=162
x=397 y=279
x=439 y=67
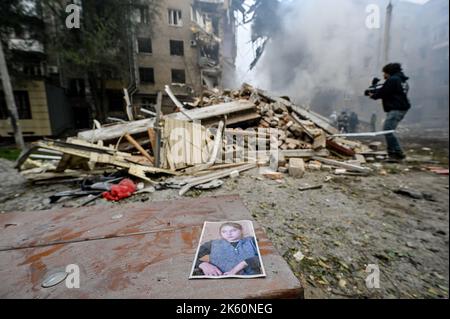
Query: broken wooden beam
x=157 y=128
x=174 y=99
x=152 y=138
x=153 y=114
x=216 y=175
x=304 y=153
x=341 y=149
x=140 y=126
x=128 y=106
x=100 y=156
x=347 y=166
x=217 y=110
x=366 y=134
x=116 y=131
x=141 y=150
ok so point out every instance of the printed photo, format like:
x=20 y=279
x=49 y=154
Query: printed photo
x=228 y=250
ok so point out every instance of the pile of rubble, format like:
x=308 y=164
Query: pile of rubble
x=219 y=135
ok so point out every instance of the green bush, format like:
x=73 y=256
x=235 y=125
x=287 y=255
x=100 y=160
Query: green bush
x=9 y=153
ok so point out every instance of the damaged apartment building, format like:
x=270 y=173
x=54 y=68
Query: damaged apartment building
x=191 y=45
x=187 y=44
x=42 y=102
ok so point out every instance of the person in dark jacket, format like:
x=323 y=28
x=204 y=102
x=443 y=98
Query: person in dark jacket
x=343 y=122
x=395 y=103
x=353 y=122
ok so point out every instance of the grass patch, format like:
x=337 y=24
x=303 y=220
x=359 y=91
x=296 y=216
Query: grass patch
x=9 y=153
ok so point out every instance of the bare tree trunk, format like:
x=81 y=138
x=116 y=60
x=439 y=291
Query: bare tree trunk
x=10 y=102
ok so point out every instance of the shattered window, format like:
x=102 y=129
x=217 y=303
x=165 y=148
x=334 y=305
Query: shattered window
x=140 y=15
x=145 y=45
x=147 y=75
x=22 y=100
x=178 y=76
x=176 y=47
x=175 y=18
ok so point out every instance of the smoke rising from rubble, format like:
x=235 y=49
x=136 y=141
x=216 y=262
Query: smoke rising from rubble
x=314 y=51
x=317 y=56
x=326 y=56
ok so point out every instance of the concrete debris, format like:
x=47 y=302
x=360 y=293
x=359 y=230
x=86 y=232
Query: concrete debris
x=296 y=167
x=240 y=130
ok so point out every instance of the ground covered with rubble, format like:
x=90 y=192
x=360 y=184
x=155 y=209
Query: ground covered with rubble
x=328 y=235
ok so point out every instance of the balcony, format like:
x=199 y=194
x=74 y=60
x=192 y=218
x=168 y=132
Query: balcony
x=31 y=46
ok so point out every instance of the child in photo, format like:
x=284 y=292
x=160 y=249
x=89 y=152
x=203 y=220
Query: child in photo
x=231 y=255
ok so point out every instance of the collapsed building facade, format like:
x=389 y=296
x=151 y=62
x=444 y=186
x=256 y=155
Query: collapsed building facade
x=189 y=43
x=42 y=102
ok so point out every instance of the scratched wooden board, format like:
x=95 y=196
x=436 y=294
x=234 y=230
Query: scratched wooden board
x=146 y=253
x=187 y=146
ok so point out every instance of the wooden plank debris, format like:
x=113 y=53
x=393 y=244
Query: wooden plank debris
x=139 y=148
x=179 y=105
x=347 y=166
x=339 y=148
x=218 y=141
x=140 y=126
x=304 y=153
x=105 y=158
x=213 y=176
x=180 y=145
x=157 y=128
x=364 y=134
x=128 y=105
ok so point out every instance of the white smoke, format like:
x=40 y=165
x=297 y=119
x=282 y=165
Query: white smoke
x=325 y=55
x=323 y=45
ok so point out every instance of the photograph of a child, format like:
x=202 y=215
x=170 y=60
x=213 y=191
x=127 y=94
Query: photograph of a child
x=228 y=250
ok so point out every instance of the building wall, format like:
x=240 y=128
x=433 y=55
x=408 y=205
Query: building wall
x=39 y=124
x=160 y=59
x=162 y=62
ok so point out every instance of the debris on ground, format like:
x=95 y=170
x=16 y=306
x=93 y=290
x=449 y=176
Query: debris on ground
x=239 y=130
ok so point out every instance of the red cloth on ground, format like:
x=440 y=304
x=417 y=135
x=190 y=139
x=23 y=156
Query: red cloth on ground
x=122 y=190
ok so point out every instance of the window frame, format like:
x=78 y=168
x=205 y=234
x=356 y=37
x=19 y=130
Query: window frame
x=142 y=69
x=141 y=15
x=175 y=21
x=24 y=112
x=173 y=71
x=139 y=42
x=174 y=50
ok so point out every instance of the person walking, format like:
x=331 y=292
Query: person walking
x=394 y=94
